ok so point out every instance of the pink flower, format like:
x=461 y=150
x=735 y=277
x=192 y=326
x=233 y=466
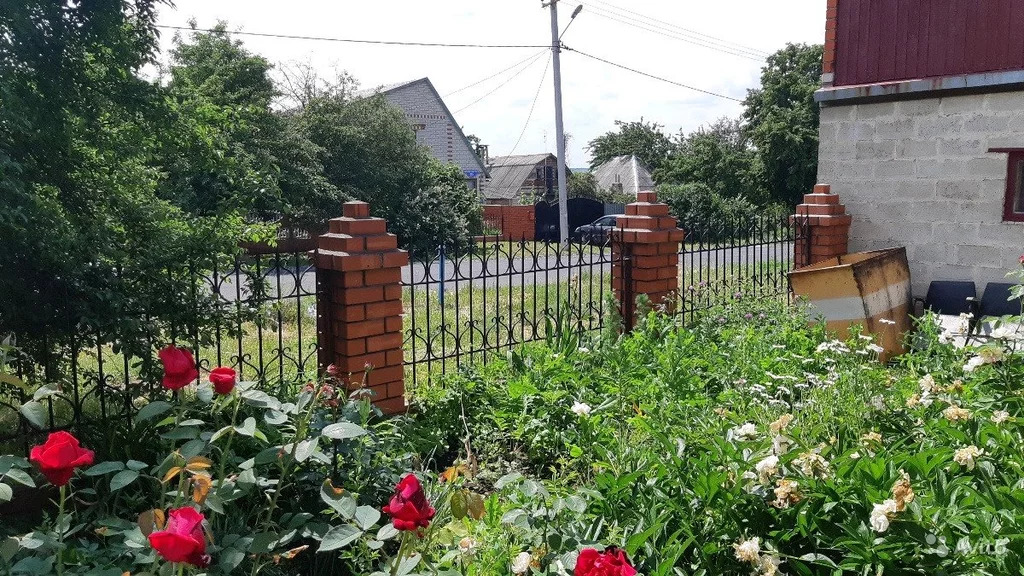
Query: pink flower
x=182 y=540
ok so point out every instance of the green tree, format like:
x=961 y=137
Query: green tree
x=782 y=120
x=86 y=239
x=643 y=139
x=271 y=170
x=721 y=157
x=582 y=185
x=369 y=153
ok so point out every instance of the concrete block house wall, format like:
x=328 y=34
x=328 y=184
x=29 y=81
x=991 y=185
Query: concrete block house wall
x=921 y=120
x=436 y=128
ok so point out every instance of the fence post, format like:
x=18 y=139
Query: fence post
x=824 y=227
x=359 y=298
x=645 y=256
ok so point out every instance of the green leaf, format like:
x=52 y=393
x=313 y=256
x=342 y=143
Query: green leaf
x=21 y=477
x=261 y=399
x=248 y=427
x=343 y=431
x=220 y=433
x=35 y=413
x=33 y=565
x=409 y=564
x=104 y=468
x=122 y=479
x=263 y=542
x=387 y=532
x=338 y=537
x=230 y=558
x=152 y=410
x=6 y=492
x=8 y=548
x=460 y=505
x=136 y=465
x=367 y=516
x=275 y=417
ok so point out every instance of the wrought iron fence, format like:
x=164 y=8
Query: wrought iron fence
x=471 y=305
x=747 y=256
x=263 y=325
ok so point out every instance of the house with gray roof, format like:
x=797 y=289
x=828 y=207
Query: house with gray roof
x=435 y=126
x=521 y=179
x=624 y=175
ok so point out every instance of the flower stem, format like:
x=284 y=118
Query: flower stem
x=398 y=556
x=181 y=568
x=227 y=445
x=60 y=530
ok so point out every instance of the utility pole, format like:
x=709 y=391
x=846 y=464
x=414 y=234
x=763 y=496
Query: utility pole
x=563 y=195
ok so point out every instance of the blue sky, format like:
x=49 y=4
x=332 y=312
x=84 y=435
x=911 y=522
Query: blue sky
x=687 y=41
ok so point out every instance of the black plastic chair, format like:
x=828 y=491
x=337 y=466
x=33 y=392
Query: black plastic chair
x=951 y=297
x=996 y=300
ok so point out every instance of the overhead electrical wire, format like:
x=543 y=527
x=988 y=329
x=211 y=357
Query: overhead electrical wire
x=672 y=35
x=686 y=31
x=649 y=75
x=353 y=40
x=529 y=116
x=502 y=85
x=516 y=65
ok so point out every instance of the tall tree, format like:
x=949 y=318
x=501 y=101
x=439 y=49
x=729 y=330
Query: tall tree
x=645 y=140
x=719 y=156
x=86 y=239
x=782 y=120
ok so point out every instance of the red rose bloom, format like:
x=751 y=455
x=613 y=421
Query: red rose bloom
x=59 y=456
x=409 y=508
x=182 y=540
x=179 y=367
x=611 y=562
x=223 y=380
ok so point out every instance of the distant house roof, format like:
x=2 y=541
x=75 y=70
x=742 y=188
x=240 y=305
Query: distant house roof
x=392 y=89
x=508 y=173
x=625 y=170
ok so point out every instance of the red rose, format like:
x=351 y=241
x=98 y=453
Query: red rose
x=223 y=380
x=611 y=562
x=59 y=456
x=179 y=367
x=409 y=508
x=182 y=540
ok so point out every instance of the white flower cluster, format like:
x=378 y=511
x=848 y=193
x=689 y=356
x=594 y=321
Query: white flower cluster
x=749 y=551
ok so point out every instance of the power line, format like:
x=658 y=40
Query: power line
x=714 y=39
x=500 y=86
x=642 y=73
x=532 y=106
x=353 y=41
x=517 y=64
x=673 y=35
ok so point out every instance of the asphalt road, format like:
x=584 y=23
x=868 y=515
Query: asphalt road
x=518 y=271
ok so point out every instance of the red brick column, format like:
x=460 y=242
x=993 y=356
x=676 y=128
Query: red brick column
x=828 y=61
x=359 y=302
x=645 y=255
x=823 y=227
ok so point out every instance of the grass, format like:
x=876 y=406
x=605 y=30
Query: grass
x=473 y=324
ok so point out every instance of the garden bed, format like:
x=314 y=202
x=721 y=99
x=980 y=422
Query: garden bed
x=743 y=443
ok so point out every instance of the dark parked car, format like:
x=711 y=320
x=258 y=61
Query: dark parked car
x=597 y=231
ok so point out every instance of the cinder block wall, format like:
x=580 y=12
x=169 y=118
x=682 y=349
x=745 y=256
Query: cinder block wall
x=917 y=173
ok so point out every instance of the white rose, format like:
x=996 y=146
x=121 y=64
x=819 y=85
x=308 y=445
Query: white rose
x=767 y=468
x=880 y=515
x=581 y=409
x=748 y=550
x=743 y=433
x=521 y=563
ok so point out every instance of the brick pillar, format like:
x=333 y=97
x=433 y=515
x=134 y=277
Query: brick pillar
x=359 y=268
x=823 y=227
x=645 y=255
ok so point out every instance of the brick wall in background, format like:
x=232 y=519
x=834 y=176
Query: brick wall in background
x=515 y=222
x=918 y=173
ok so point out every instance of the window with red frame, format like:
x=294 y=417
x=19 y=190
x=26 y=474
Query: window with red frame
x=1013 y=203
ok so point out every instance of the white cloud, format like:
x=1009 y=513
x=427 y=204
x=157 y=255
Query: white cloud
x=595 y=94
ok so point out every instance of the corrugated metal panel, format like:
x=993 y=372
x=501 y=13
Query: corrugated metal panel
x=891 y=40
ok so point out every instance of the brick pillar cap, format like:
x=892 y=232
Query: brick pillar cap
x=647 y=196
x=822 y=189
x=355 y=210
